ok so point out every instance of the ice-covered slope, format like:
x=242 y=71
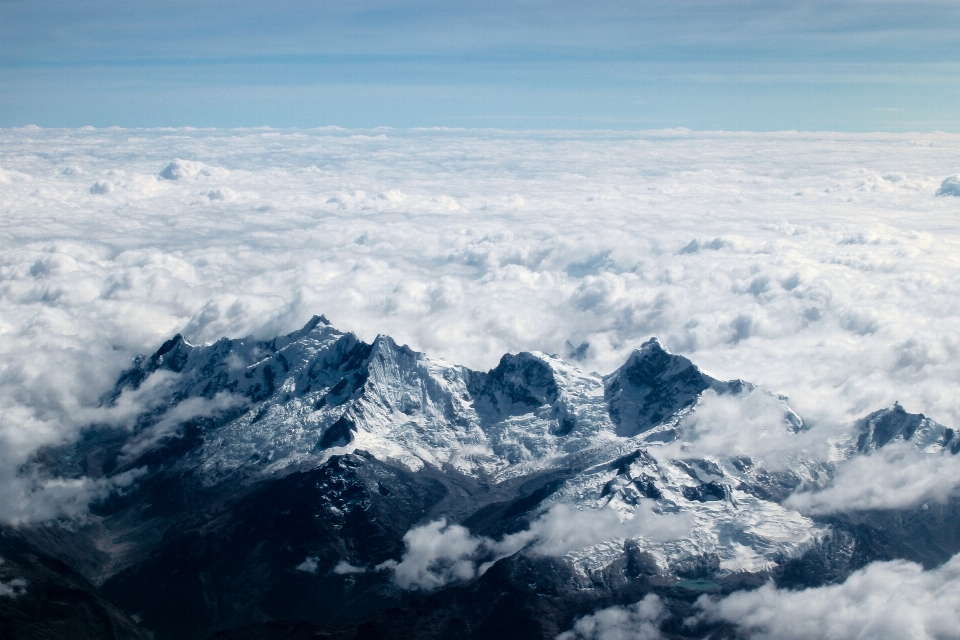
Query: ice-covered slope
x=319 y=389
x=319 y=392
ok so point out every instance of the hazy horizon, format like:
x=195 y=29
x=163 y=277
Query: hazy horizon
x=850 y=65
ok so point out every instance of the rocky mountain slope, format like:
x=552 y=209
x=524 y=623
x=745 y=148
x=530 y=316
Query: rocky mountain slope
x=317 y=485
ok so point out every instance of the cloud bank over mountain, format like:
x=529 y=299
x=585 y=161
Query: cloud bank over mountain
x=437 y=553
x=887 y=600
x=639 y=621
x=792 y=260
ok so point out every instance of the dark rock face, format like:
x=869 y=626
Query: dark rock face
x=929 y=535
x=518 y=598
x=235 y=562
x=50 y=601
x=775 y=486
x=895 y=424
x=518 y=384
x=338 y=434
x=880 y=427
x=508 y=516
x=707 y=492
x=278 y=630
x=535 y=598
x=651 y=387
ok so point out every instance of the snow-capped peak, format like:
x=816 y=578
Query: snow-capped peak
x=617 y=440
x=653 y=386
x=894 y=423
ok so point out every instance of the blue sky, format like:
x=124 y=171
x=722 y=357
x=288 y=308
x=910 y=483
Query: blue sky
x=850 y=65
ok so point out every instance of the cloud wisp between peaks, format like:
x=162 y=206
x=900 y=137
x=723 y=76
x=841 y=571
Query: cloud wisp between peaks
x=438 y=553
x=898 y=476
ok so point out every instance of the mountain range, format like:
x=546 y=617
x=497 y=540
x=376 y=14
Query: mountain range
x=316 y=486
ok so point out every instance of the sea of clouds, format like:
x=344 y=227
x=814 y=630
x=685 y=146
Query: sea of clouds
x=820 y=266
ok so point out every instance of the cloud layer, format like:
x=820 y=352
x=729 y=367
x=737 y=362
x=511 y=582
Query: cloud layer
x=821 y=266
x=885 y=601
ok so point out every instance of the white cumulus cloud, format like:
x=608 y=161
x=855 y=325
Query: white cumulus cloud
x=563 y=529
x=897 y=476
x=755 y=424
x=638 y=621
x=437 y=553
x=885 y=601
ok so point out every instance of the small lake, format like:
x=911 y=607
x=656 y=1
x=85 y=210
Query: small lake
x=697 y=585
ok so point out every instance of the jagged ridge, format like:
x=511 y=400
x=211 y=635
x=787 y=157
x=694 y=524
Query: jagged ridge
x=317 y=449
